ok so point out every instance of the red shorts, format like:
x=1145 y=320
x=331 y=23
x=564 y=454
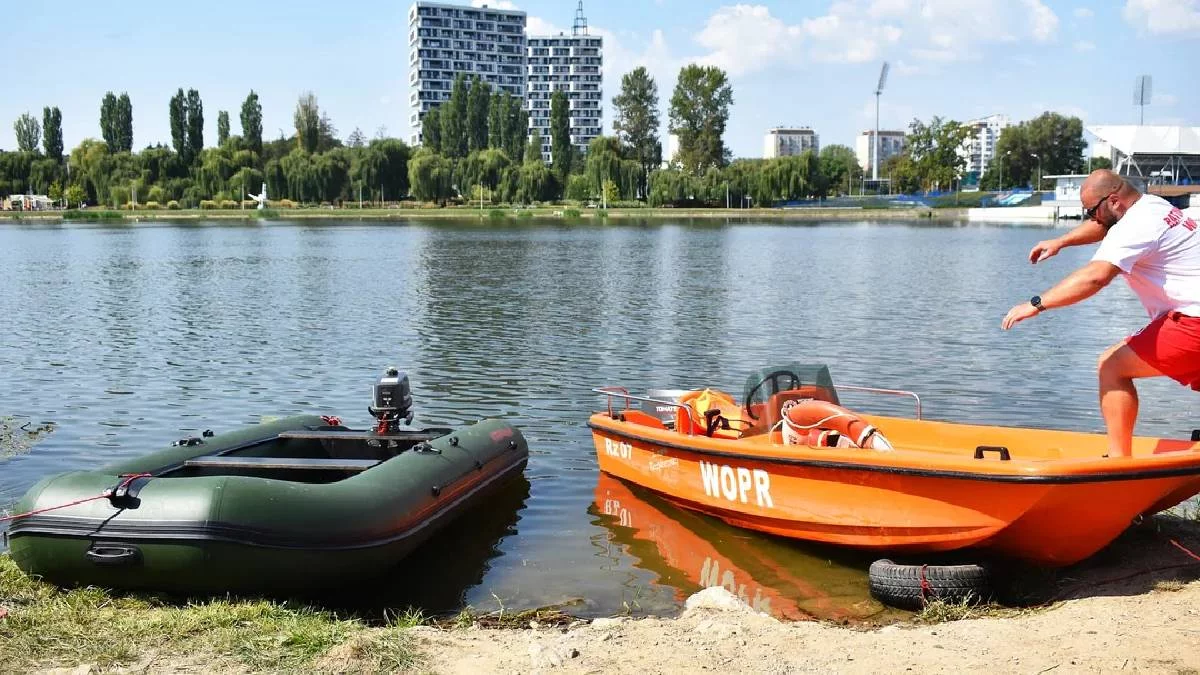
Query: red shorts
x=1171 y=344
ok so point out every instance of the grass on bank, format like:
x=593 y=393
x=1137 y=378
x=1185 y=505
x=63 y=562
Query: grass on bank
x=46 y=627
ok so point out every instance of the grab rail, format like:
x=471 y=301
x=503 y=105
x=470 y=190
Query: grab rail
x=623 y=393
x=890 y=392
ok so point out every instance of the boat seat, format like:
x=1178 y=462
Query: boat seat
x=350 y=435
x=321 y=463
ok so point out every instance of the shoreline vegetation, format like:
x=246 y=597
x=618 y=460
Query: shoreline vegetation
x=1093 y=616
x=496 y=213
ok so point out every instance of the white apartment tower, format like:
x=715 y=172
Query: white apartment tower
x=445 y=41
x=891 y=143
x=573 y=64
x=788 y=141
x=980 y=147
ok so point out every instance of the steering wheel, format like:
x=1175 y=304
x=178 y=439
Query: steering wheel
x=773 y=377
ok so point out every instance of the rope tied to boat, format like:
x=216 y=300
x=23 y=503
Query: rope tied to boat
x=926 y=587
x=331 y=420
x=128 y=479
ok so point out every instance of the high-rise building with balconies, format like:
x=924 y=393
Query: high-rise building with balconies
x=446 y=41
x=573 y=64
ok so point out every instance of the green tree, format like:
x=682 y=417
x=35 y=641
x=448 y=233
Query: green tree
x=356 y=139
x=477 y=115
x=454 y=121
x=698 y=116
x=222 y=127
x=561 y=150
x=934 y=149
x=123 y=124
x=497 y=124
x=252 y=123
x=108 y=120
x=533 y=152
x=430 y=175
x=1058 y=141
x=637 y=121
x=431 y=130
x=516 y=128
x=839 y=169
x=74 y=195
x=178 y=110
x=195 y=123
x=307 y=119
x=52 y=138
x=1100 y=163
x=29 y=133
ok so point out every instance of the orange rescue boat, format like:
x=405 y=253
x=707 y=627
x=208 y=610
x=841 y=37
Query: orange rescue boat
x=790 y=461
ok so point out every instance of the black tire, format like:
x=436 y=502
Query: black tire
x=900 y=585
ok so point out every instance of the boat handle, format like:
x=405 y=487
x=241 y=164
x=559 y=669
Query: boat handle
x=114 y=554
x=1004 y=456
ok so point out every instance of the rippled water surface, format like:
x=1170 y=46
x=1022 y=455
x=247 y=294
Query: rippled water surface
x=127 y=337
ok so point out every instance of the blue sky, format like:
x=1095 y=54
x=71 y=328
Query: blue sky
x=798 y=62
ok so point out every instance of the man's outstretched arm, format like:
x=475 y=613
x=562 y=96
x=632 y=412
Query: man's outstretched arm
x=1087 y=232
x=1079 y=285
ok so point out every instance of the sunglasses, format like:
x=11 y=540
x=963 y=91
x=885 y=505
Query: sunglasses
x=1090 y=214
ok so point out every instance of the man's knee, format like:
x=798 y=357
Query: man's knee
x=1119 y=362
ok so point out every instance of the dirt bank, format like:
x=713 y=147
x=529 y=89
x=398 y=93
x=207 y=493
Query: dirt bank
x=1135 y=607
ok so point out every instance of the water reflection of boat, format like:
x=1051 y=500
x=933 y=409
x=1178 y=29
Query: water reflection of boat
x=437 y=577
x=691 y=552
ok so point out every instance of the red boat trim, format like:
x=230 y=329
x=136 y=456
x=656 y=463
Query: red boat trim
x=1107 y=477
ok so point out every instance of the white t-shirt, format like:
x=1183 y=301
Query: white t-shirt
x=1157 y=246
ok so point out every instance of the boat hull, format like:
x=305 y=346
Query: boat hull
x=1047 y=512
x=250 y=534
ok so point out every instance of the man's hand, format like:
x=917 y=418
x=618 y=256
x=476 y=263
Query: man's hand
x=1045 y=249
x=1018 y=314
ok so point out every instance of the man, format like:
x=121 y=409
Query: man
x=1157 y=248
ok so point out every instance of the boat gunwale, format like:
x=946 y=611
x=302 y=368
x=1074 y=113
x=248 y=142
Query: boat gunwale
x=1033 y=475
x=168 y=532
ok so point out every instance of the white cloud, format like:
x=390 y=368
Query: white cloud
x=746 y=38
x=1084 y=13
x=1084 y=45
x=494 y=4
x=1163 y=16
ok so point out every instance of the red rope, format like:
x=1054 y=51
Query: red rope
x=1183 y=548
x=129 y=478
x=926 y=587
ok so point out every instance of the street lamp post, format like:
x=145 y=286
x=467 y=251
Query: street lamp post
x=1037 y=187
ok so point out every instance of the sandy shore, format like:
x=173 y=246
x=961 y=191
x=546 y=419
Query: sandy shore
x=1133 y=608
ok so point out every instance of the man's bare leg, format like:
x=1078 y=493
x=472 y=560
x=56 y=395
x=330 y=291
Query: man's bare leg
x=1119 y=367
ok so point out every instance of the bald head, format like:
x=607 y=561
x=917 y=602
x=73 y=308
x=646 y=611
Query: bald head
x=1101 y=183
x=1104 y=185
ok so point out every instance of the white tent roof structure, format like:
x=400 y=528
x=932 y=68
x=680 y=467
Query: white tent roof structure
x=1132 y=139
x=1163 y=155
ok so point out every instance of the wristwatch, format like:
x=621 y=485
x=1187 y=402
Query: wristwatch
x=1036 y=301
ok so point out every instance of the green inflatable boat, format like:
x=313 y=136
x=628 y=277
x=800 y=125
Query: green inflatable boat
x=287 y=506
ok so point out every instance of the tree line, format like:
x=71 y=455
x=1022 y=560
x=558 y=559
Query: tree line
x=477 y=148
x=311 y=166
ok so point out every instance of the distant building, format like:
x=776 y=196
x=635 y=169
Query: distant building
x=446 y=41
x=573 y=64
x=890 y=143
x=1165 y=160
x=789 y=141
x=980 y=147
x=671 y=152
x=26 y=203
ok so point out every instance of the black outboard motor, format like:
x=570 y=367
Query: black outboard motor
x=391 y=401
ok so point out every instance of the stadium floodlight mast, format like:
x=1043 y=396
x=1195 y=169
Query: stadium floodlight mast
x=1142 y=92
x=878 y=91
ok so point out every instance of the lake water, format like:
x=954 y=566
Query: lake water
x=127 y=337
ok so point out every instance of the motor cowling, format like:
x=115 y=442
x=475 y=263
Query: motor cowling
x=391 y=398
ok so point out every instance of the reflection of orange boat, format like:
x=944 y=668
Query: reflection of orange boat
x=1048 y=497
x=694 y=552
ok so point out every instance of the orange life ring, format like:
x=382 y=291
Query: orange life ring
x=809 y=415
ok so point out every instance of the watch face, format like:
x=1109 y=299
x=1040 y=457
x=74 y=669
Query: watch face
x=1036 y=301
